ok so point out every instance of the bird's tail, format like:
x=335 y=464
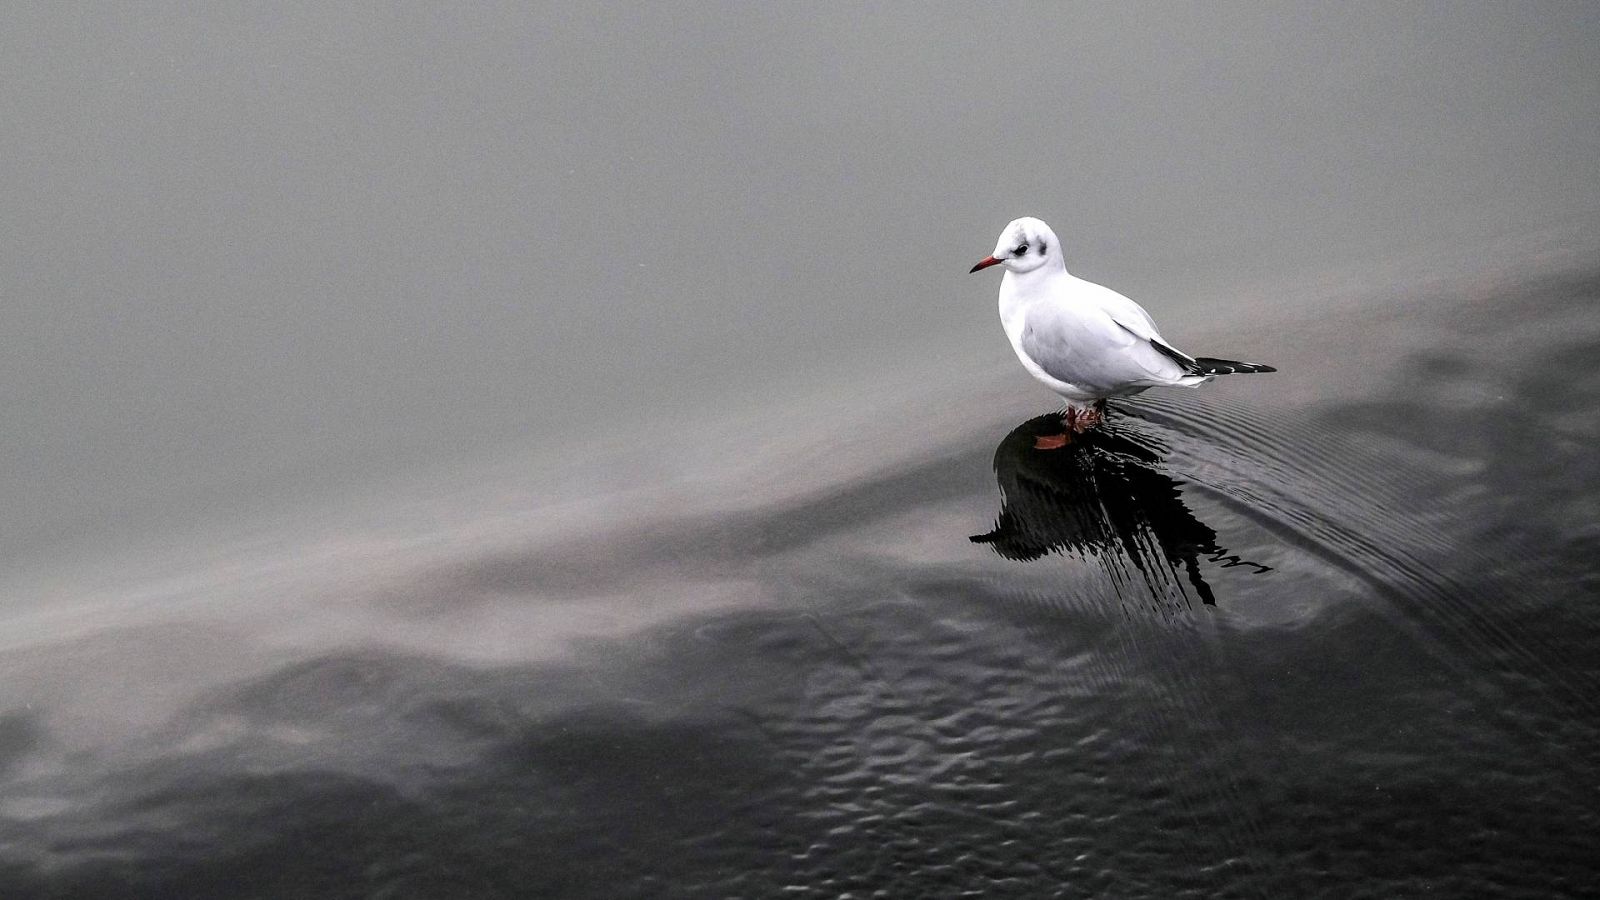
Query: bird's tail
x=1205 y=365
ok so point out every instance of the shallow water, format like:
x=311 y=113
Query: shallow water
x=1237 y=643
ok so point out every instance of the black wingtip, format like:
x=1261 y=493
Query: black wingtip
x=1205 y=365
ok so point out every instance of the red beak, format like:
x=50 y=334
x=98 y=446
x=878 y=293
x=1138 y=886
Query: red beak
x=984 y=263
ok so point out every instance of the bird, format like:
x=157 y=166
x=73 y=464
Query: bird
x=1084 y=341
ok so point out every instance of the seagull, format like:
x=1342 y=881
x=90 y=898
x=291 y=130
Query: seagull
x=1084 y=341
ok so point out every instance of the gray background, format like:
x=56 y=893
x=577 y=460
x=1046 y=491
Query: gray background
x=251 y=253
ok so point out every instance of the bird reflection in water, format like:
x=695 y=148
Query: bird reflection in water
x=1101 y=494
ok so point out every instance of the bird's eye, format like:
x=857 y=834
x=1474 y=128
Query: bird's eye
x=1022 y=249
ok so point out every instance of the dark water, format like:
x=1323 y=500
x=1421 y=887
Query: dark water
x=1326 y=633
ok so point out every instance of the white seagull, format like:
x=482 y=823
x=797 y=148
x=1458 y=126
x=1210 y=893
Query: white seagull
x=1084 y=341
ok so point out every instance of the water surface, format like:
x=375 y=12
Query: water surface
x=1228 y=646
x=509 y=453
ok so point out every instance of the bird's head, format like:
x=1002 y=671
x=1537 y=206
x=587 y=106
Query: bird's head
x=1025 y=245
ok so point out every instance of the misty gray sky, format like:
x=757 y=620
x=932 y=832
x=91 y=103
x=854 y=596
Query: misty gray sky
x=254 y=250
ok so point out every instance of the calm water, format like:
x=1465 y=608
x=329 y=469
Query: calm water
x=501 y=453
x=1233 y=645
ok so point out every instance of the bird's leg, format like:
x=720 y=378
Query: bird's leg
x=1081 y=420
x=1056 y=441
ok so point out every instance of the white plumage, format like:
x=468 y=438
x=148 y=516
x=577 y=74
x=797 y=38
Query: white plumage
x=1084 y=341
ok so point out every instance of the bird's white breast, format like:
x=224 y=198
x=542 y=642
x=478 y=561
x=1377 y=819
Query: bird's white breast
x=1017 y=296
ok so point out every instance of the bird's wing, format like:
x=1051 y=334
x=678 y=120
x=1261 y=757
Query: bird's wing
x=1126 y=313
x=1132 y=318
x=1084 y=345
